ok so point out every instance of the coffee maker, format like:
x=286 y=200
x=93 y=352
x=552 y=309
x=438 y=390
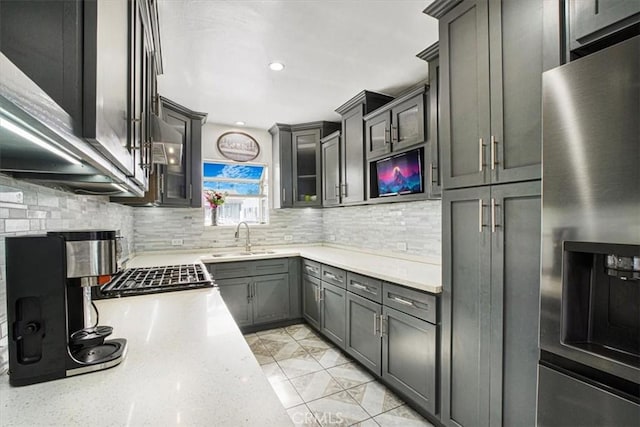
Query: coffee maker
x=49 y=307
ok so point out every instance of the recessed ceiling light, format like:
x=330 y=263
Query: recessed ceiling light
x=276 y=66
x=240 y=123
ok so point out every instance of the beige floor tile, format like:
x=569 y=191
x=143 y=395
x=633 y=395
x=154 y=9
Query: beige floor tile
x=329 y=357
x=300 y=365
x=273 y=372
x=350 y=375
x=402 y=416
x=338 y=409
x=375 y=398
x=284 y=350
x=315 y=385
x=288 y=395
x=301 y=331
x=311 y=344
x=302 y=416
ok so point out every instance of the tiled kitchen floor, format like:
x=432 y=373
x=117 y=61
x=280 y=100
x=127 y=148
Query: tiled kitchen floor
x=319 y=385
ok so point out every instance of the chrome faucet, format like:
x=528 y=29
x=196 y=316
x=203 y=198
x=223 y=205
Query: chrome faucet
x=247 y=245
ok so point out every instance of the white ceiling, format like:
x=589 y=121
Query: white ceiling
x=216 y=55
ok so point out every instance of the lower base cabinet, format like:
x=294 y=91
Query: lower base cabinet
x=409 y=356
x=332 y=319
x=311 y=300
x=256 y=300
x=363 y=337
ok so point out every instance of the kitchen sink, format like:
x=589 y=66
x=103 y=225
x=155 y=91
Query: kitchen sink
x=242 y=253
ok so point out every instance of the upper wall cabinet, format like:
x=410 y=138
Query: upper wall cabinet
x=177 y=184
x=491 y=85
x=95 y=60
x=397 y=125
x=593 y=20
x=346 y=163
x=434 y=179
x=297 y=166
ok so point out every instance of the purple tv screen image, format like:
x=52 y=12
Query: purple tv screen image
x=400 y=175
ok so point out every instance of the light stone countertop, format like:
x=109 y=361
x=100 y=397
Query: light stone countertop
x=414 y=274
x=187 y=364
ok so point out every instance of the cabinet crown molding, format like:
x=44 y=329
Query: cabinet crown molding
x=408 y=94
x=430 y=53
x=439 y=8
x=360 y=98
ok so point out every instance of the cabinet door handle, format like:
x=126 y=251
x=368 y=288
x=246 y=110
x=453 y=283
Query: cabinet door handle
x=383 y=324
x=248 y=293
x=387 y=135
x=344 y=186
x=493 y=215
x=494 y=148
x=162 y=183
x=481 y=146
x=284 y=195
x=480 y=224
x=321 y=294
x=394 y=134
x=375 y=323
x=337 y=190
x=402 y=301
x=190 y=191
x=253 y=293
x=295 y=194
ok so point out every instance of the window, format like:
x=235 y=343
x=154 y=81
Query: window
x=247 y=189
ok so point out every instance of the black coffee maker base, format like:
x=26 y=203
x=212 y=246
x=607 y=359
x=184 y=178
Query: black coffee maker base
x=103 y=356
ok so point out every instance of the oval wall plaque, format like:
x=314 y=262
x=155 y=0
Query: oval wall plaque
x=238 y=146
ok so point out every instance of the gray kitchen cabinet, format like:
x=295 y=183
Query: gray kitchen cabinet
x=491 y=258
x=409 y=354
x=490 y=127
x=434 y=177
x=297 y=157
x=282 y=159
x=352 y=158
x=363 y=339
x=331 y=169
x=332 y=318
x=236 y=295
x=259 y=292
x=311 y=300
x=256 y=300
x=397 y=125
x=270 y=298
x=94 y=59
x=593 y=20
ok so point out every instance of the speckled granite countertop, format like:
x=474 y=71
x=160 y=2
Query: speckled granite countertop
x=409 y=272
x=187 y=364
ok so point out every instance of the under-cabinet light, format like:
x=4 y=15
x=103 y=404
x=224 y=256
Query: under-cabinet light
x=38 y=141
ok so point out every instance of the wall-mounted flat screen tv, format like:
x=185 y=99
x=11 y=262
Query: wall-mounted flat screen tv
x=401 y=174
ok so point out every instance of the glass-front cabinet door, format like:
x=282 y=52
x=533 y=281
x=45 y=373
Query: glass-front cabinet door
x=306 y=168
x=407 y=123
x=378 y=138
x=175 y=180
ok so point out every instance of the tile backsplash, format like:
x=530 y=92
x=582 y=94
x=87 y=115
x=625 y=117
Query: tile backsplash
x=156 y=227
x=32 y=209
x=401 y=228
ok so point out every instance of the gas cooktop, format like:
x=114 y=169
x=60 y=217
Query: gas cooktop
x=140 y=281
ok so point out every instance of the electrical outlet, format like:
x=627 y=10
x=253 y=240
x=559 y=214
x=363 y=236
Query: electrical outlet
x=288 y=238
x=402 y=246
x=177 y=242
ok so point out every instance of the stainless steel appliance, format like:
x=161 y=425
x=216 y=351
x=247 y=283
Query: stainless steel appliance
x=141 y=281
x=589 y=372
x=51 y=331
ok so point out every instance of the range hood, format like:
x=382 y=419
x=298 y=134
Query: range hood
x=38 y=143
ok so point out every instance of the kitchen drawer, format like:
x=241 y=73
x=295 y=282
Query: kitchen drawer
x=364 y=286
x=270 y=266
x=311 y=268
x=335 y=276
x=228 y=270
x=410 y=301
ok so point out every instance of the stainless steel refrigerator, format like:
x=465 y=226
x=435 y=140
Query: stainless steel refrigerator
x=589 y=371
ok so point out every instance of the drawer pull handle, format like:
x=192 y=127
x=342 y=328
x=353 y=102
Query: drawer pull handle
x=332 y=276
x=375 y=323
x=311 y=269
x=402 y=301
x=362 y=287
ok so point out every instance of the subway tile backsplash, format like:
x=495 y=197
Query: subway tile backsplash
x=412 y=228
x=44 y=209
